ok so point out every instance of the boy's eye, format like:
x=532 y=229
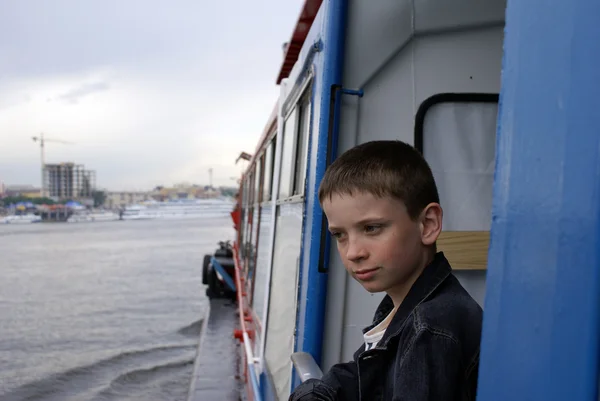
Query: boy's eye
x=336 y=235
x=370 y=229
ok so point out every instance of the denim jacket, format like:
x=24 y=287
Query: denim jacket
x=429 y=352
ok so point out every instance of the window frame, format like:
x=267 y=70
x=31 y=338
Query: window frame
x=305 y=90
x=290 y=118
x=303 y=136
x=428 y=103
x=304 y=96
x=467 y=250
x=254 y=236
x=269 y=168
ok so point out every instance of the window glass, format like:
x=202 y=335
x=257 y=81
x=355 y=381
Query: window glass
x=257 y=180
x=303 y=133
x=269 y=162
x=287 y=167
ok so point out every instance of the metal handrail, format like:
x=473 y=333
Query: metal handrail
x=251 y=368
x=250 y=360
x=305 y=366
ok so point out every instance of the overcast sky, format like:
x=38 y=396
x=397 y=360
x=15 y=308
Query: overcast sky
x=149 y=92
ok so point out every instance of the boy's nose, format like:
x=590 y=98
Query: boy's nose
x=356 y=251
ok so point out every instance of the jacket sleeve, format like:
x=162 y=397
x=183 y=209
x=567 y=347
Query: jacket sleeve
x=430 y=369
x=340 y=383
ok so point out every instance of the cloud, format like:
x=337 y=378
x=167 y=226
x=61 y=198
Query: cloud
x=149 y=92
x=73 y=95
x=136 y=135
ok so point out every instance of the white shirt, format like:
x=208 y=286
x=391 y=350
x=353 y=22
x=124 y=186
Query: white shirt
x=373 y=336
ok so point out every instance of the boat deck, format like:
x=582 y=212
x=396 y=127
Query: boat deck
x=216 y=365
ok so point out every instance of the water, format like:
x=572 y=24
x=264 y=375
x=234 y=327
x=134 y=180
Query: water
x=102 y=311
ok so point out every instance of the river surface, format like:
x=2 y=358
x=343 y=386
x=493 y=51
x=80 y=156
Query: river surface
x=102 y=311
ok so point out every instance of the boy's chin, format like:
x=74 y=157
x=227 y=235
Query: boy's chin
x=373 y=287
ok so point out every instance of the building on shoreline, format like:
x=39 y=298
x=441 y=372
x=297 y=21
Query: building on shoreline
x=68 y=181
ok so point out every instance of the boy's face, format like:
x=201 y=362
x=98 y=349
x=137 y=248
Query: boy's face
x=380 y=246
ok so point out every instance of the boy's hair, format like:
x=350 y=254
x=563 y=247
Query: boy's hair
x=382 y=168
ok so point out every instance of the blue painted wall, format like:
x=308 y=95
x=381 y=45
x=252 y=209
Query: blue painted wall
x=542 y=308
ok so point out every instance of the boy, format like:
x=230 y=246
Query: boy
x=383 y=210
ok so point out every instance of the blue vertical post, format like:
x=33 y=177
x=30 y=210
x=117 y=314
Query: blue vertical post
x=541 y=323
x=313 y=287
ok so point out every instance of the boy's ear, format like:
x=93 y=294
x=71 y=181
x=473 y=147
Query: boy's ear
x=431 y=223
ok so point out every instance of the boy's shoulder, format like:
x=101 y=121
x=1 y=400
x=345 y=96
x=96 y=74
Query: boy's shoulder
x=450 y=310
x=437 y=304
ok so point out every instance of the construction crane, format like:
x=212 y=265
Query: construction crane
x=42 y=142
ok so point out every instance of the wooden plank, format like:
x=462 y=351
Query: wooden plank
x=465 y=250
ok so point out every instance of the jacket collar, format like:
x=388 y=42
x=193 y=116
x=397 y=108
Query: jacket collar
x=432 y=276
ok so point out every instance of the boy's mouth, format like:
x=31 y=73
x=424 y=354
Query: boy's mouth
x=365 y=274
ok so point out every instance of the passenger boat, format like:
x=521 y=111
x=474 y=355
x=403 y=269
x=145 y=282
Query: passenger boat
x=429 y=73
x=26 y=218
x=178 y=209
x=93 y=216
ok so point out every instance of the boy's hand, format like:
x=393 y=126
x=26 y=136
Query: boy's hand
x=313 y=390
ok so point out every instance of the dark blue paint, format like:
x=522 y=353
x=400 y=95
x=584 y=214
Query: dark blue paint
x=300 y=311
x=313 y=289
x=266 y=388
x=353 y=92
x=334 y=142
x=223 y=273
x=542 y=308
x=255 y=383
x=324 y=268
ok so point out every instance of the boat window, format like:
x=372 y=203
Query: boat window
x=245 y=193
x=269 y=163
x=253 y=246
x=302 y=154
x=244 y=214
x=249 y=211
x=251 y=182
x=289 y=131
x=457 y=135
x=253 y=254
x=257 y=180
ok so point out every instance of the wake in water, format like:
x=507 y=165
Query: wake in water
x=193 y=330
x=158 y=373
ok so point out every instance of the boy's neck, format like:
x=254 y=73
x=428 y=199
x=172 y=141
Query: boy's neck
x=398 y=293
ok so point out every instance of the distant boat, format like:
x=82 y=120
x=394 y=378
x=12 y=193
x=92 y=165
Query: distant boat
x=179 y=209
x=88 y=217
x=20 y=219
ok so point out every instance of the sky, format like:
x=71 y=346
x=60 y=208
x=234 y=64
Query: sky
x=147 y=92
